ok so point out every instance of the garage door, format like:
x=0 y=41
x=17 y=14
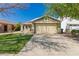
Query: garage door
x=46 y=28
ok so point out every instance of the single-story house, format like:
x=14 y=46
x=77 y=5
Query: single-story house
x=68 y=24
x=40 y=25
x=64 y=22
x=72 y=25
x=6 y=26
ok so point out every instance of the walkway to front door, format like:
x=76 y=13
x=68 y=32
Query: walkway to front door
x=50 y=45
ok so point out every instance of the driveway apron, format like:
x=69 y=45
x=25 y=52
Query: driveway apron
x=46 y=44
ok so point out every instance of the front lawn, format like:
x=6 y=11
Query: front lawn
x=13 y=43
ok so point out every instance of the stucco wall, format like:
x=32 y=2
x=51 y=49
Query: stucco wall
x=8 y=28
x=1 y=28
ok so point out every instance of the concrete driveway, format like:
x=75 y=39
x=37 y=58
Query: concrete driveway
x=57 y=44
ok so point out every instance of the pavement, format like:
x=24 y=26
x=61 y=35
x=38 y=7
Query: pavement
x=50 y=45
x=10 y=33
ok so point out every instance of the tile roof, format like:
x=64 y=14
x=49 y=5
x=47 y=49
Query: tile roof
x=29 y=22
x=2 y=21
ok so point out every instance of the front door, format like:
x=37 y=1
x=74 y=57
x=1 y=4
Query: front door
x=5 y=28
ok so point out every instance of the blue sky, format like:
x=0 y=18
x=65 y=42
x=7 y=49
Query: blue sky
x=32 y=11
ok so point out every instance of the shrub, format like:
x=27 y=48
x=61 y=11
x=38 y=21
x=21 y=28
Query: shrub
x=75 y=33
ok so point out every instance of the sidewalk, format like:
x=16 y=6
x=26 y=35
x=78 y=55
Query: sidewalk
x=10 y=32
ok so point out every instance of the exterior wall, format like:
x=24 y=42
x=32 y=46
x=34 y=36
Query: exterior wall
x=1 y=28
x=27 y=28
x=8 y=28
x=72 y=27
x=45 y=21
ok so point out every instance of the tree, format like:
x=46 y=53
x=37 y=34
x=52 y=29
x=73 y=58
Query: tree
x=17 y=27
x=64 y=10
x=5 y=8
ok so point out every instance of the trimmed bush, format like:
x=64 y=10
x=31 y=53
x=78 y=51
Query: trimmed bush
x=75 y=33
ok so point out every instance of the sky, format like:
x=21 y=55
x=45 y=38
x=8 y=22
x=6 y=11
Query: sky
x=33 y=10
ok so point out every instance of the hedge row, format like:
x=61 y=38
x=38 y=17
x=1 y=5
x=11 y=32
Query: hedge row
x=75 y=32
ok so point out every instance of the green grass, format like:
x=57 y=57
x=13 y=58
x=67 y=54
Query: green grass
x=13 y=43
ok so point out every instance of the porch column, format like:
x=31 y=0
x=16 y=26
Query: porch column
x=1 y=28
x=33 y=28
x=9 y=28
x=68 y=28
x=22 y=27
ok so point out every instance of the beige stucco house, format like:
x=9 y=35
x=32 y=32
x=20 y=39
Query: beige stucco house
x=40 y=25
x=6 y=26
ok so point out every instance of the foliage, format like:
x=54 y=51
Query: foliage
x=64 y=10
x=17 y=27
x=7 y=45
x=5 y=8
x=46 y=17
x=75 y=32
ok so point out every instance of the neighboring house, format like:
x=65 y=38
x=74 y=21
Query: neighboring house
x=73 y=25
x=44 y=24
x=68 y=24
x=64 y=22
x=6 y=26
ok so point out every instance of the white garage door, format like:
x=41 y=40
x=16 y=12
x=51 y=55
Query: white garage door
x=46 y=28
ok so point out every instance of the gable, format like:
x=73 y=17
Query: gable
x=46 y=20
